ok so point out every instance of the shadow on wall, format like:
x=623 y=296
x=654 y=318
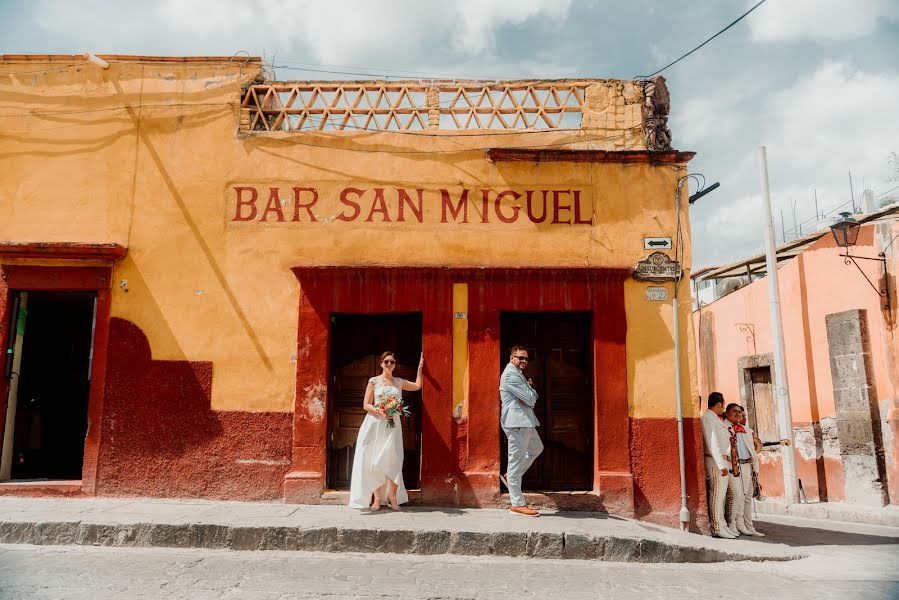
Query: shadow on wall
x=161 y=437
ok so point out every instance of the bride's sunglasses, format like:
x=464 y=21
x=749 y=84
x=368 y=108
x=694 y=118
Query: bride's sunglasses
x=389 y=362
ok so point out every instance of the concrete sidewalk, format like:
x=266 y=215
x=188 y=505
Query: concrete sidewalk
x=419 y=530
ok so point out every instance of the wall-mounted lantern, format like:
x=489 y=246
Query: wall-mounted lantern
x=845 y=234
x=845 y=230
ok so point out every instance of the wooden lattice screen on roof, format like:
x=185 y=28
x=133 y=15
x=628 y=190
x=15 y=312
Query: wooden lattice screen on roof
x=410 y=106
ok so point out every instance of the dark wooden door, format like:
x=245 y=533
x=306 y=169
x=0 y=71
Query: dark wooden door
x=559 y=347
x=356 y=343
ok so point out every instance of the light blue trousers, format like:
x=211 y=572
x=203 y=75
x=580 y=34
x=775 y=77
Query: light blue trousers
x=524 y=447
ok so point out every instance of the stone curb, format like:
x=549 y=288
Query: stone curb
x=399 y=541
x=830 y=512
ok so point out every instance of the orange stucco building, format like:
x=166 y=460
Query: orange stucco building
x=841 y=349
x=221 y=257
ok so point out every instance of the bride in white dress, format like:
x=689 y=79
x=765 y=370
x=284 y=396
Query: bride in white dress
x=378 y=462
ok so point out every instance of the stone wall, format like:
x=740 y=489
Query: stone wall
x=857 y=413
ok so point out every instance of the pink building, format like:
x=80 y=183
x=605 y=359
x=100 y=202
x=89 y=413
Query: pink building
x=841 y=345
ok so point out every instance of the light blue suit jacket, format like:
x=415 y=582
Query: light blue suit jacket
x=517 y=398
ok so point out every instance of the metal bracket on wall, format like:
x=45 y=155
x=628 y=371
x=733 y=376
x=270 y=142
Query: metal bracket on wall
x=881 y=257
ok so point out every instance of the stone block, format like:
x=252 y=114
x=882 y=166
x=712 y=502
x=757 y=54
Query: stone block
x=323 y=539
x=852 y=399
x=657 y=551
x=620 y=549
x=545 y=545
x=129 y=534
x=633 y=93
x=206 y=535
x=432 y=542
x=470 y=543
x=169 y=535
x=357 y=540
x=58 y=533
x=96 y=534
x=396 y=541
x=856 y=435
x=598 y=97
x=278 y=538
x=582 y=547
x=246 y=538
x=19 y=533
x=510 y=543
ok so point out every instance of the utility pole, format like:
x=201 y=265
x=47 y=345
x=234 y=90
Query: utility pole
x=781 y=391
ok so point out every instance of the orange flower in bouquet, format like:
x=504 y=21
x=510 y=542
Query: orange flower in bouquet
x=391 y=405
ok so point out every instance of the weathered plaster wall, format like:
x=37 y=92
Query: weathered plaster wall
x=206 y=309
x=151 y=164
x=812 y=286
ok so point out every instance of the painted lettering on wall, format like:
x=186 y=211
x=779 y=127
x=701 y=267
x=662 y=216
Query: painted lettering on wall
x=363 y=204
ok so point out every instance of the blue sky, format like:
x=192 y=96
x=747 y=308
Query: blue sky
x=816 y=81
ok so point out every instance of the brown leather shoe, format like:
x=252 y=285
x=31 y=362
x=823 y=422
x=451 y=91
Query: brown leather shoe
x=524 y=510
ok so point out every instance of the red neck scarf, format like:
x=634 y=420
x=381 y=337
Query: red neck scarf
x=738 y=428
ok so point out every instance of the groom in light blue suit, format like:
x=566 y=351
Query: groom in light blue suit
x=520 y=426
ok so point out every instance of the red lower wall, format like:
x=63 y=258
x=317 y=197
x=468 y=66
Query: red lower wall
x=161 y=438
x=656 y=467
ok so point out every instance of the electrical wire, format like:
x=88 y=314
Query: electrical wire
x=734 y=22
x=290 y=64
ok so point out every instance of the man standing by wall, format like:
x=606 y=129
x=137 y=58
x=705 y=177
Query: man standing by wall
x=519 y=423
x=717 y=463
x=749 y=466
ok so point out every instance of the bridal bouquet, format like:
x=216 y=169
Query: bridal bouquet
x=390 y=405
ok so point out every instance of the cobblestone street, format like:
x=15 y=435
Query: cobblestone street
x=847 y=560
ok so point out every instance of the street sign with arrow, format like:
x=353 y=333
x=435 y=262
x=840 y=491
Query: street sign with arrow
x=657 y=243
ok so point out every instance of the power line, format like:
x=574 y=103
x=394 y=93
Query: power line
x=368 y=71
x=737 y=20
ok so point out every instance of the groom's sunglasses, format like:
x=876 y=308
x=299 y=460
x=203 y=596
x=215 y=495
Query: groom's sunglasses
x=521 y=357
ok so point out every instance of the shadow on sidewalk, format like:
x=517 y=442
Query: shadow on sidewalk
x=777 y=533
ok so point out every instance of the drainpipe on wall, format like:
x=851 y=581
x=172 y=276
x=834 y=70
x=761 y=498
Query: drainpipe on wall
x=684 y=511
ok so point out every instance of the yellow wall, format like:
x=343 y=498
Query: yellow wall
x=146 y=154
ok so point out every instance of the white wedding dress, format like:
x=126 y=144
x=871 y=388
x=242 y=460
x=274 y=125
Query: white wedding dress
x=379 y=453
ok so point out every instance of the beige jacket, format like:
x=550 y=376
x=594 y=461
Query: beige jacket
x=716 y=436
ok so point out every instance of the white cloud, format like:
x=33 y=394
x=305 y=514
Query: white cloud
x=327 y=31
x=819 y=20
x=478 y=19
x=836 y=119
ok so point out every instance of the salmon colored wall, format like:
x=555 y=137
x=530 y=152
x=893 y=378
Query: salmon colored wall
x=146 y=154
x=813 y=285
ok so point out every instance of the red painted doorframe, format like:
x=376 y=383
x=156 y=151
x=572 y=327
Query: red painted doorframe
x=67 y=279
x=460 y=461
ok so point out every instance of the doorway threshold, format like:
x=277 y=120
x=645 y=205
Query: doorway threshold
x=41 y=487
x=580 y=500
x=341 y=497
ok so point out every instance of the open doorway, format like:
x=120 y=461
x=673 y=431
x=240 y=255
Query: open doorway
x=560 y=366
x=48 y=362
x=356 y=343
